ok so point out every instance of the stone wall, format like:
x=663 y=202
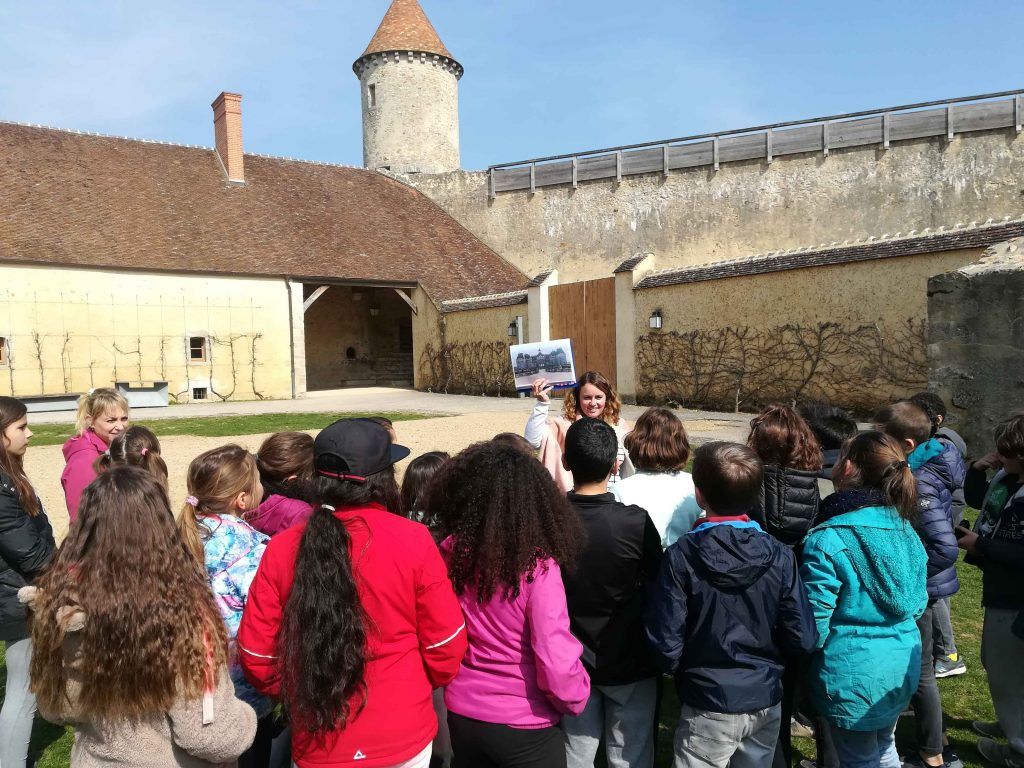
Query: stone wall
x=346 y=345
x=976 y=342
x=852 y=334
x=411 y=120
x=469 y=353
x=699 y=216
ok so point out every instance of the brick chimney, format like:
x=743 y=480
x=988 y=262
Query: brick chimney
x=227 y=129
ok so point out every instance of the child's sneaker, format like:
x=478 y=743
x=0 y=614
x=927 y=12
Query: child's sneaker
x=1000 y=754
x=950 y=666
x=989 y=729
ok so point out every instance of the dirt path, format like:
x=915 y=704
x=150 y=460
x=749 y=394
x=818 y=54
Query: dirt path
x=45 y=463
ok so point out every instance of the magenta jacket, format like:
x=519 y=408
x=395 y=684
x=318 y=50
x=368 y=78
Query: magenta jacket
x=278 y=513
x=80 y=454
x=523 y=666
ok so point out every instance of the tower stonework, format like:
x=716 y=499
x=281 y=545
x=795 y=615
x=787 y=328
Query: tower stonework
x=410 y=95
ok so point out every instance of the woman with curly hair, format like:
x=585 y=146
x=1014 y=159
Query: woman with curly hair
x=511 y=533
x=351 y=620
x=593 y=397
x=129 y=648
x=792 y=460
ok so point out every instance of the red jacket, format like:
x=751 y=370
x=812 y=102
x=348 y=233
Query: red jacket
x=416 y=637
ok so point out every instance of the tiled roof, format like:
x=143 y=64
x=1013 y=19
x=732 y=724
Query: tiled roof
x=540 y=278
x=958 y=238
x=94 y=201
x=484 y=302
x=630 y=264
x=405 y=27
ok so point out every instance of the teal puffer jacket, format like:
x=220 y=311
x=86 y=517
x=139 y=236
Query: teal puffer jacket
x=865 y=573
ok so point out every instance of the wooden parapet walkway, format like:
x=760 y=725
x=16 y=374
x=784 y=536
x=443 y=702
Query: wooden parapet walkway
x=766 y=142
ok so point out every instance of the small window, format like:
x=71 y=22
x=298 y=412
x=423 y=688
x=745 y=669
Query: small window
x=197 y=349
x=350 y=353
x=198 y=393
x=371 y=95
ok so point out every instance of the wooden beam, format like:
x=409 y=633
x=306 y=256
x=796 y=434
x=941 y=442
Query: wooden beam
x=949 y=122
x=664 y=160
x=313 y=297
x=405 y=297
x=575 y=172
x=714 y=152
x=768 y=145
x=885 y=130
x=618 y=164
x=1018 y=112
x=824 y=138
x=533 y=178
x=493 y=190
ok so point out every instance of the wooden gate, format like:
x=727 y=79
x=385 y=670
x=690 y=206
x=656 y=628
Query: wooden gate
x=585 y=313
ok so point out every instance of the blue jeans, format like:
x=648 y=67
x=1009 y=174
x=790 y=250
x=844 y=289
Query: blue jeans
x=866 y=749
x=624 y=716
x=19 y=706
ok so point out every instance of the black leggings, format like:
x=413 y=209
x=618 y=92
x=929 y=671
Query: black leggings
x=258 y=755
x=477 y=744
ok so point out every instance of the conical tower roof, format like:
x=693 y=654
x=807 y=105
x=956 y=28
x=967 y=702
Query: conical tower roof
x=405 y=27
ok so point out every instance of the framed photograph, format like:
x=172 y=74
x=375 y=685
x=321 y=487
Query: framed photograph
x=551 y=360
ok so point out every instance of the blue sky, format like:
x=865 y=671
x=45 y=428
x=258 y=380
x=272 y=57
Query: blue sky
x=542 y=76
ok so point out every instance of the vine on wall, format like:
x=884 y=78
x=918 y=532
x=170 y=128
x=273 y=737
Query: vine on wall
x=734 y=368
x=472 y=368
x=131 y=359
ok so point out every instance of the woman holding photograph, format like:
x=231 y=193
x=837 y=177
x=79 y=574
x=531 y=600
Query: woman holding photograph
x=593 y=397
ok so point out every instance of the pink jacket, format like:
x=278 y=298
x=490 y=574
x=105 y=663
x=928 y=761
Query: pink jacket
x=279 y=513
x=523 y=666
x=80 y=453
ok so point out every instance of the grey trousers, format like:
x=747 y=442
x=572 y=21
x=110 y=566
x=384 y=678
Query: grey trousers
x=944 y=644
x=720 y=740
x=1002 y=655
x=624 y=715
x=19 y=706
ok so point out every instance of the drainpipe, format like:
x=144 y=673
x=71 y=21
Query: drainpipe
x=291 y=331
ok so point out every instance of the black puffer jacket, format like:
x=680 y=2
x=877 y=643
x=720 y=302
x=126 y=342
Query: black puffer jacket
x=789 y=503
x=26 y=546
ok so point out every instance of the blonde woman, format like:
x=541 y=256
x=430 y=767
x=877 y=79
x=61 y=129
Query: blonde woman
x=593 y=397
x=102 y=416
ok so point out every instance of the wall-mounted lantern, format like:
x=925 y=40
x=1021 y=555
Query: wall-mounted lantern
x=656 y=320
x=515 y=330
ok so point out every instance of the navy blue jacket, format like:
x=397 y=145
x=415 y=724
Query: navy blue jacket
x=727 y=608
x=941 y=473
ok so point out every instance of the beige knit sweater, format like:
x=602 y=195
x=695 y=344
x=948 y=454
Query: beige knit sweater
x=176 y=739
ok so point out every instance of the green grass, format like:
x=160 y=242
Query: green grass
x=964 y=698
x=223 y=426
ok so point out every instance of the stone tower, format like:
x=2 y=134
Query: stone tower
x=410 y=95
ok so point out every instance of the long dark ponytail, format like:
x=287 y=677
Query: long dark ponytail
x=323 y=634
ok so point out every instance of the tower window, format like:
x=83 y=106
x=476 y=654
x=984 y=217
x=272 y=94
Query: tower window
x=371 y=94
